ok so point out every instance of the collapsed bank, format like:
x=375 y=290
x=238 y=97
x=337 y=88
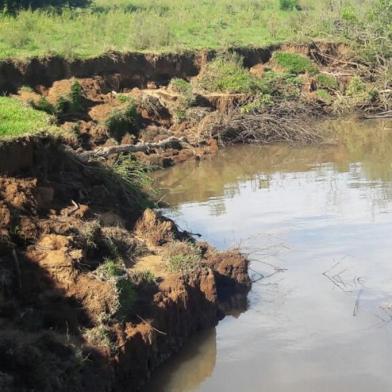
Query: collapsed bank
x=97 y=289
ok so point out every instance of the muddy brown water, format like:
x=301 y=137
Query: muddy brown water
x=316 y=223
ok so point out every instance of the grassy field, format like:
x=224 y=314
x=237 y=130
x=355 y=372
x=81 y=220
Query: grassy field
x=17 y=119
x=174 y=25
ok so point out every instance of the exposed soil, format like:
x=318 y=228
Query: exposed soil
x=63 y=321
x=110 y=83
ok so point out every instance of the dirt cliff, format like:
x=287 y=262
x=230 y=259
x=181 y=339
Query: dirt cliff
x=96 y=289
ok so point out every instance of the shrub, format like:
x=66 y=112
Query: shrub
x=327 y=82
x=110 y=269
x=260 y=102
x=227 y=74
x=122 y=121
x=324 y=96
x=182 y=257
x=142 y=277
x=277 y=86
x=294 y=63
x=71 y=103
x=89 y=232
x=127 y=298
x=181 y=86
x=288 y=5
x=356 y=87
x=100 y=336
x=43 y=105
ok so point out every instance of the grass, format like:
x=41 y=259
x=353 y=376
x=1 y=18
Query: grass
x=327 y=82
x=227 y=74
x=173 y=25
x=111 y=269
x=123 y=120
x=294 y=63
x=17 y=119
x=183 y=257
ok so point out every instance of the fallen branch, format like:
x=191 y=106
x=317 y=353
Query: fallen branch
x=105 y=152
x=382 y=115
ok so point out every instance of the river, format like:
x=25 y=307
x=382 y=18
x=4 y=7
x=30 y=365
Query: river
x=315 y=222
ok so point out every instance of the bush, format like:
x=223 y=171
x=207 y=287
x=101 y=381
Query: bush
x=288 y=5
x=281 y=85
x=181 y=86
x=294 y=63
x=127 y=298
x=72 y=103
x=324 y=96
x=327 y=82
x=356 y=87
x=227 y=74
x=43 y=105
x=122 y=121
x=110 y=269
x=182 y=257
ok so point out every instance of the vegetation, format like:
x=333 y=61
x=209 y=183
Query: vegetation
x=227 y=74
x=122 y=121
x=177 y=24
x=182 y=256
x=110 y=269
x=17 y=119
x=14 y=5
x=289 y=5
x=127 y=297
x=327 y=82
x=294 y=63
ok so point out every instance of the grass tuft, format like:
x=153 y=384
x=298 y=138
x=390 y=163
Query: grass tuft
x=227 y=74
x=122 y=121
x=183 y=257
x=294 y=63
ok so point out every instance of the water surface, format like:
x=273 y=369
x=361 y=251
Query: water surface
x=316 y=223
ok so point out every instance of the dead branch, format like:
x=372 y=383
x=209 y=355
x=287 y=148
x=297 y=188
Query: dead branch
x=281 y=123
x=105 y=152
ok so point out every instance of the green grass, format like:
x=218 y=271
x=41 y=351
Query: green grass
x=227 y=74
x=17 y=119
x=182 y=257
x=122 y=121
x=294 y=63
x=173 y=25
x=327 y=82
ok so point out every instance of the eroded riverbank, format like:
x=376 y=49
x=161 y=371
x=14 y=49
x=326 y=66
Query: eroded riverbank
x=315 y=222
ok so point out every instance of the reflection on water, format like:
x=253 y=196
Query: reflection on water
x=315 y=222
x=186 y=370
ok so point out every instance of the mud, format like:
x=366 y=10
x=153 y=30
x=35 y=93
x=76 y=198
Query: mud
x=60 y=321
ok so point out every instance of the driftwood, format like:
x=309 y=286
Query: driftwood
x=383 y=115
x=105 y=152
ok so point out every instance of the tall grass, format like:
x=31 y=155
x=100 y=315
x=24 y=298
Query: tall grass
x=153 y=25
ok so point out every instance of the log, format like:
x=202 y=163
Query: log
x=105 y=152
